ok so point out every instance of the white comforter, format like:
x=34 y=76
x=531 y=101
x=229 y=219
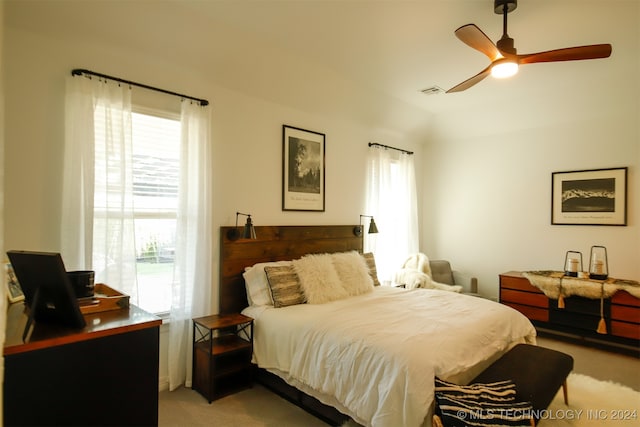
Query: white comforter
x=374 y=356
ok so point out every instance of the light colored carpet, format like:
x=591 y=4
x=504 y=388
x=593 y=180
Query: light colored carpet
x=254 y=407
x=591 y=403
x=599 y=363
x=594 y=403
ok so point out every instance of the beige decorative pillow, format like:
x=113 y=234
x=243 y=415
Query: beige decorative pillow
x=319 y=279
x=371 y=263
x=255 y=279
x=285 y=287
x=353 y=272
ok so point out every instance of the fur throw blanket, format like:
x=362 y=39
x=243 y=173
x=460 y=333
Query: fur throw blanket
x=554 y=284
x=416 y=273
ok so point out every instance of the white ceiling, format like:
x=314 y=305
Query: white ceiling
x=377 y=51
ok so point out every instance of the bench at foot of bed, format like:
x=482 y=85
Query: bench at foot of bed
x=537 y=372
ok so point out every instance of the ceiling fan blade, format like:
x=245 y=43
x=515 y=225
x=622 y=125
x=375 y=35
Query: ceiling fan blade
x=473 y=36
x=471 y=81
x=594 y=51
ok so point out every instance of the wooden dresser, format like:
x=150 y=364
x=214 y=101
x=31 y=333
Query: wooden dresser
x=580 y=316
x=104 y=374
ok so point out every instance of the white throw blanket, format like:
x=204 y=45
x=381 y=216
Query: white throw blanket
x=416 y=273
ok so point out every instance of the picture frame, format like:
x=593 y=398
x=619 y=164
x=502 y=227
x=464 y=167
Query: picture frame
x=14 y=291
x=303 y=170
x=589 y=197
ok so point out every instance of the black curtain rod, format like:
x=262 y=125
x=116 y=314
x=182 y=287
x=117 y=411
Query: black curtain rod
x=371 y=144
x=79 y=72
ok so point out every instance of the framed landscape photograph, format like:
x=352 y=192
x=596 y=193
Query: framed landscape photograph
x=302 y=170
x=589 y=197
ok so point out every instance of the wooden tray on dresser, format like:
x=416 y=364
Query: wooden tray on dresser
x=105 y=298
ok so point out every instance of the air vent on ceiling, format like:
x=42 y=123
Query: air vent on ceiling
x=433 y=90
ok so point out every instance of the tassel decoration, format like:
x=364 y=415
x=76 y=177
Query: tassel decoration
x=602 y=325
x=560 y=301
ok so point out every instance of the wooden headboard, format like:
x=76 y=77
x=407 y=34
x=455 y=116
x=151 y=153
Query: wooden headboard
x=275 y=243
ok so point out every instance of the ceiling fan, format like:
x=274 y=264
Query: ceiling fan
x=503 y=55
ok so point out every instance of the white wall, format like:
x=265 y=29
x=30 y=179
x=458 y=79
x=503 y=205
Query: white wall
x=246 y=133
x=3 y=290
x=488 y=207
x=246 y=137
x=489 y=223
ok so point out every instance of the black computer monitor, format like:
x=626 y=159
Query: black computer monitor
x=48 y=293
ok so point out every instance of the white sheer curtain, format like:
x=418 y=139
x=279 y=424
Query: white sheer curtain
x=392 y=200
x=192 y=276
x=97 y=206
x=98 y=219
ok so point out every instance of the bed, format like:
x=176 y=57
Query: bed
x=371 y=355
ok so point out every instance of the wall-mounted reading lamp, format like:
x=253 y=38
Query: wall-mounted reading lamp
x=248 y=232
x=357 y=230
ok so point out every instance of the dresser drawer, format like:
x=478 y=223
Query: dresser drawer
x=625 y=298
x=532 y=313
x=518 y=283
x=526 y=298
x=626 y=330
x=625 y=313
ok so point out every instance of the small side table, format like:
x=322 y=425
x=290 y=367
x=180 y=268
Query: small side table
x=222 y=349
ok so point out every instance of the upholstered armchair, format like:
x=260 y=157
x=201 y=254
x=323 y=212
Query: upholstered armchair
x=418 y=271
x=441 y=272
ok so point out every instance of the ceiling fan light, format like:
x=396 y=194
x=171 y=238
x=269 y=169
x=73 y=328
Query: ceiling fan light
x=504 y=69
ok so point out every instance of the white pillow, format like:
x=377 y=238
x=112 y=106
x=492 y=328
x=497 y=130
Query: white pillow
x=353 y=272
x=319 y=279
x=255 y=281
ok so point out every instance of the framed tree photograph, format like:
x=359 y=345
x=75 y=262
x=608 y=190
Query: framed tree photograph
x=303 y=158
x=589 y=197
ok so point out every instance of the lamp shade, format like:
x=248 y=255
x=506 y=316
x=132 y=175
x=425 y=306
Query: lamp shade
x=248 y=231
x=373 y=229
x=504 y=68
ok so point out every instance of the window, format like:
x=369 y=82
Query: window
x=155 y=171
x=391 y=199
x=156 y=167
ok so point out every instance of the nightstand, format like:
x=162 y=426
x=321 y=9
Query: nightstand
x=222 y=349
